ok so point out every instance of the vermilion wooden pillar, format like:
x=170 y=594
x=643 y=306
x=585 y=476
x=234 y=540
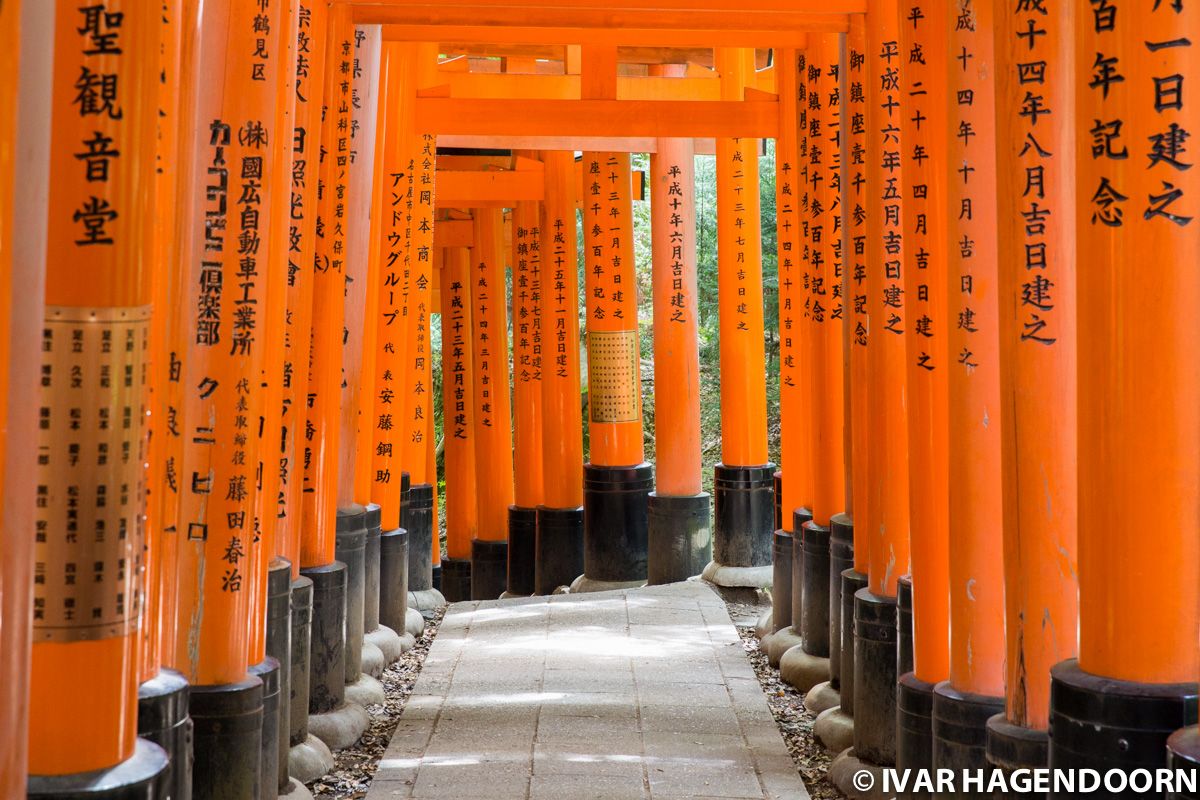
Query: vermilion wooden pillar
x=352 y=527
x=824 y=314
x=162 y=706
x=743 y=485
x=791 y=221
x=528 y=297
x=85 y=457
x=923 y=631
x=458 y=422
x=975 y=689
x=1138 y=230
x=296 y=448
x=887 y=519
x=323 y=429
x=391 y=343
x=418 y=308
x=680 y=530
x=616 y=481
x=559 y=548
x=1038 y=390
x=493 y=410
x=26 y=55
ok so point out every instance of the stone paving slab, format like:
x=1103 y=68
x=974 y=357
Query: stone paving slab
x=640 y=694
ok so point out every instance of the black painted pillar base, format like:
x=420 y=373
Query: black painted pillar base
x=435 y=575
x=456 y=579
x=489 y=569
x=814 y=591
x=1183 y=755
x=327 y=656
x=351 y=550
x=1106 y=724
x=841 y=558
x=783 y=556
x=1011 y=747
x=270 y=766
x=228 y=723
x=374 y=524
x=615 y=523
x=679 y=537
x=874 y=678
x=744 y=499
x=800 y=518
x=302 y=594
x=914 y=726
x=419 y=524
x=142 y=776
x=778 y=499
x=558 y=549
x=853 y=582
x=279 y=648
x=393 y=579
x=522 y=550
x=163 y=719
x=960 y=730
x=904 y=625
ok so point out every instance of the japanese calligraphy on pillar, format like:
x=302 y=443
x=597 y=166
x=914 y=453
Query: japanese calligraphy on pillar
x=789 y=190
x=484 y=295
x=745 y=231
x=972 y=202
x=563 y=314
x=681 y=304
x=420 y=303
x=88 y=518
x=301 y=248
x=922 y=38
x=1151 y=81
x=886 y=124
x=614 y=386
x=455 y=338
x=527 y=296
x=856 y=179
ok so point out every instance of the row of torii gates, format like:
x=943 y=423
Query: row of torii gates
x=226 y=226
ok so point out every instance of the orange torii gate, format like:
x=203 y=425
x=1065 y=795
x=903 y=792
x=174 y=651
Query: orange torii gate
x=998 y=308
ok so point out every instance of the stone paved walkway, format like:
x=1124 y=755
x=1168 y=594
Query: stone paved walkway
x=625 y=695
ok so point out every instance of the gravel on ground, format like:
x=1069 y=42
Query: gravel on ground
x=354 y=768
x=787 y=705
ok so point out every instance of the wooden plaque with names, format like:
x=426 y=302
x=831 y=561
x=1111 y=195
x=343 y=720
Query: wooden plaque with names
x=613 y=385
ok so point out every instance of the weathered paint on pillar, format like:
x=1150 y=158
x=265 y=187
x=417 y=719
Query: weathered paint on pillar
x=792 y=224
x=323 y=428
x=858 y=198
x=88 y=455
x=976 y=548
x=364 y=437
x=922 y=39
x=1138 y=235
x=391 y=341
x=825 y=308
x=229 y=259
x=302 y=217
x=528 y=349
x=614 y=357
x=739 y=285
x=458 y=413
x=163 y=437
x=562 y=433
x=493 y=411
x=364 y=101
x=676 y=350
x=277 y=205
x=1037 y=274
x=888 y=517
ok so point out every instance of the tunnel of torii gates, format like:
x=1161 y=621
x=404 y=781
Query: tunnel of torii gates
x=226 y=228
